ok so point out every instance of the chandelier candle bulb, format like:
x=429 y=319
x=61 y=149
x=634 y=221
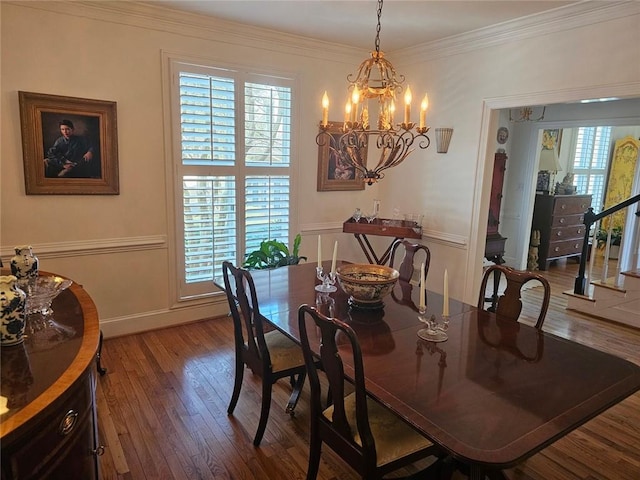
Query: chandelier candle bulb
x=335 y=257
x=319 y=251
x=347 y=114
x=407 y=106
x=325 y=109
x=445 y=302
x=423 y=111
x=422 y=286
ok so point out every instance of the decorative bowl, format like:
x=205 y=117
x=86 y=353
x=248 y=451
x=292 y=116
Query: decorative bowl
x=45 y=289
x=366 y=284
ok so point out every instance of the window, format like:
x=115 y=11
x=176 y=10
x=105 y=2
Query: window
x=233 y=173
x=590 y=162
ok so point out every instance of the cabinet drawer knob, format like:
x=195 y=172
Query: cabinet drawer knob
x=577 y=245
x=558 y=234
x=557 y=249
x=562 y=220
x=68 y=422
x=98 y=452
x=563 y=206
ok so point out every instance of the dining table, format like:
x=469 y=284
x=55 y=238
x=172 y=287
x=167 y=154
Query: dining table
x=492 y=395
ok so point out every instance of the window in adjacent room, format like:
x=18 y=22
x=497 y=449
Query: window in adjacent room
x=233 y=174
x=591 y=161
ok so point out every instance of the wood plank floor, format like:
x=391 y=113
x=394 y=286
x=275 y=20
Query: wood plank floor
x=162 y=409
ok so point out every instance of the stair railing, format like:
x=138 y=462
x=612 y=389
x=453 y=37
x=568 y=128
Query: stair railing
x=590 y=219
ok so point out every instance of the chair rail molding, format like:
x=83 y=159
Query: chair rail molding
x=93 y=247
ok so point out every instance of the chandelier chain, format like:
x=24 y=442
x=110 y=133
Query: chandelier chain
x=377 y=43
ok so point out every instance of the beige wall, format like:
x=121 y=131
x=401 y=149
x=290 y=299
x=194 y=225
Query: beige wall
x=119 y=247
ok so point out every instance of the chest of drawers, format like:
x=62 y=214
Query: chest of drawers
x=559 y=218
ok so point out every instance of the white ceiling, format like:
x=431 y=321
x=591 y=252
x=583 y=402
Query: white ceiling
x=404 y=23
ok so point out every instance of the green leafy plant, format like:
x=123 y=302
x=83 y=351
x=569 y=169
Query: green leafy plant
x=273 y=254
x=616 y=236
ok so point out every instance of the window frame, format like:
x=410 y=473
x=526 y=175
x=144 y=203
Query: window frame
x=176 y=170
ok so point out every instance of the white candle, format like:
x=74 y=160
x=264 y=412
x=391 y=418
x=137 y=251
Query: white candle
x=445 y=304
x=355 y=100
x=407 y=106
x=423 y=111
x=335 y=257
x=325 y=109
x=319 y=251
x=422 y=304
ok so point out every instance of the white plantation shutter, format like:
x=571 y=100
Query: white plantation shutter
x=266 y=210
x=590 y=162
x=234 y=169
x=207 y=120
x=209 y=225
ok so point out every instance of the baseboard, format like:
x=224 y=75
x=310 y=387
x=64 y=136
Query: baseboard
x=128 y=325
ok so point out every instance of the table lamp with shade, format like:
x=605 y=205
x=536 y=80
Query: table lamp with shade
x=548 y=167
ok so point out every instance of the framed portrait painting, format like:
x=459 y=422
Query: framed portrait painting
x=333 y=173
x=69 y=145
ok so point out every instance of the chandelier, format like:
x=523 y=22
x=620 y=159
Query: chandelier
x=376 y=80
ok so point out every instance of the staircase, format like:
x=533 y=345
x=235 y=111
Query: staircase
x=615 y=298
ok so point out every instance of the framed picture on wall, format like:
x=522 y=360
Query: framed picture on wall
x=551 y=139
x=69 y=145
x=333 y=173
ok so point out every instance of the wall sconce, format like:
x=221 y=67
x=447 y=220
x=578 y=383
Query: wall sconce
x=443 y=137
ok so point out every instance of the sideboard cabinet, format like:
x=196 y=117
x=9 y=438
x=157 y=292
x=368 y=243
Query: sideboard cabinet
x=49 y=429
x=560 y=220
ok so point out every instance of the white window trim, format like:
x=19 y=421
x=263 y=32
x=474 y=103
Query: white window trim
x=171 y=63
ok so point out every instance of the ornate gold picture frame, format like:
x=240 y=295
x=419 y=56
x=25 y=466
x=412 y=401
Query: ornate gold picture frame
x=69 y=145
x=332 y=174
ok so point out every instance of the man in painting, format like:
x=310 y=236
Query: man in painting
x=70 y=156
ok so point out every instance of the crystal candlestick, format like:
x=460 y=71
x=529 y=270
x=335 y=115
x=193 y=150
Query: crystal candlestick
x=436 y=331
x=328 y=281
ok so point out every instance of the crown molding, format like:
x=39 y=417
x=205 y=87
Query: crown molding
x=557 y=20
x=152 y=16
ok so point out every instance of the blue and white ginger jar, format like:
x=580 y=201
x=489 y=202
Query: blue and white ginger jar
x=24 y=266
x=12 y=311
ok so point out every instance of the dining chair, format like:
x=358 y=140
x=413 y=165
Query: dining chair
x=371 y=439
x=406 y=265
x=509 y=304
x=271 y=355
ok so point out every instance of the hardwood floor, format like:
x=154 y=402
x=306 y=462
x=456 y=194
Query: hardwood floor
x=162 y=408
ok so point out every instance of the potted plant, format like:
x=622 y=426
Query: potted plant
x=273 y=254
x=616 y=238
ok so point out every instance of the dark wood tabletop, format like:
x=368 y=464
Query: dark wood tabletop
x=57 y=350
x=492 y=395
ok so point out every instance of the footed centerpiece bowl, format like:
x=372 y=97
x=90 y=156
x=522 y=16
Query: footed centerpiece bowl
x=46 y=288
x=366 y=284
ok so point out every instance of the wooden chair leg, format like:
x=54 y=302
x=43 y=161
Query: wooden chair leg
x=264 y=411
x=295 y=393
x=237 y=385
x=315 y=447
